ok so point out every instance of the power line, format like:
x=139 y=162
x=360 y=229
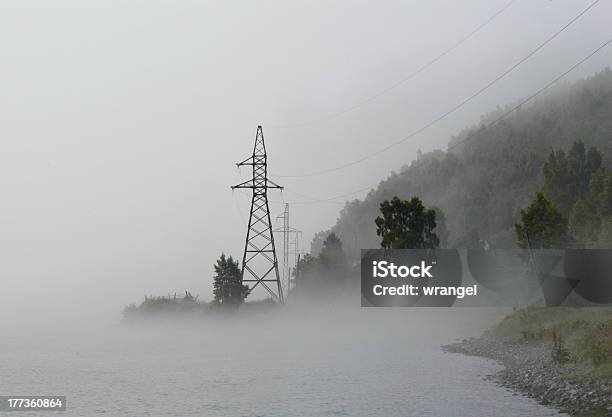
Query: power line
x=489 y=125
x=310 y=200
x=453 y=109
x=244 y=223
x=327 y=200
x=408 y=77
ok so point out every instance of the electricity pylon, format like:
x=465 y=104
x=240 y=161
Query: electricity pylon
x=287 y=230
x=259 y=258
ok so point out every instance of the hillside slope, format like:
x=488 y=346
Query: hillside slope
x=487 y=175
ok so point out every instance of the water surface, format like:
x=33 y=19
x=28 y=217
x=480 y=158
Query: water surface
x=369 y=362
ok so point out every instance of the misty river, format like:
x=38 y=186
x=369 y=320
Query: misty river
x=364 y=362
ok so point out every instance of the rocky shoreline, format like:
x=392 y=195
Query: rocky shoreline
x=530 y=369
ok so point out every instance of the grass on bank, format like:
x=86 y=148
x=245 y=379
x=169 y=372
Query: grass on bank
x=187 y=305
x=165 y=305
x=583 y=334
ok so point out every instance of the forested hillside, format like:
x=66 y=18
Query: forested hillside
x=488 y=174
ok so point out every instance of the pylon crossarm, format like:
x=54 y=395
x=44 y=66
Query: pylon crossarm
x=274 y=185
x=248 y=161
x=243 y=185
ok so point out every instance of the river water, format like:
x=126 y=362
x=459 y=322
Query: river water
x=369 y=362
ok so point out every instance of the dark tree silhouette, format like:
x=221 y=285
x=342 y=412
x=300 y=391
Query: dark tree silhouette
x=227 y=285
x=567 y=175
x=332 y=255
x=406 y=225
x=542 y=226
x=327 y=272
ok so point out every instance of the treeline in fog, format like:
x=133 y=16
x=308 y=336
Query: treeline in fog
x=560 y=146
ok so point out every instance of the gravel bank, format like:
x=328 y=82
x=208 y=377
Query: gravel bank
x=529 y=369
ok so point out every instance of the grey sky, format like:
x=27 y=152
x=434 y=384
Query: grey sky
x=121 y=121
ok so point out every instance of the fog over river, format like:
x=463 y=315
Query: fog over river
x=356 y=362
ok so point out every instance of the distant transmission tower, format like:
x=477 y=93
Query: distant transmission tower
x=287 y=230
x=259 y=258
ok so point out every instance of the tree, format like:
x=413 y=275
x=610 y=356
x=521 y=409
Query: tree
x=590 y=216
x=441 y=228
x=542 y=226
x=325 y=273
x=332 y=256
x=227 y=285
x=600 y=190
x=406 y=225
x=567 y=176
x=316 y=246
x=584 y=225
x=605 y=236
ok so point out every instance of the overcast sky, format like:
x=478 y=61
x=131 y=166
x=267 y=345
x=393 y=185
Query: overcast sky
x=121 y=121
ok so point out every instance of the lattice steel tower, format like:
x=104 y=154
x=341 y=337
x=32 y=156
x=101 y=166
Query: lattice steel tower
x=259 y=258
x=287 y=230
